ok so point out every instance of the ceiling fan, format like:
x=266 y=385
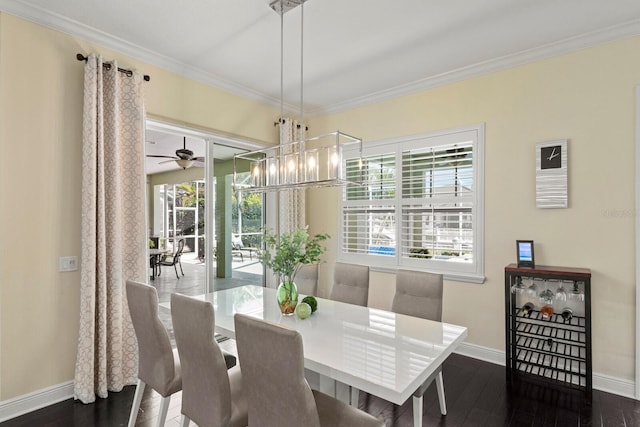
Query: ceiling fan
x=184 y=157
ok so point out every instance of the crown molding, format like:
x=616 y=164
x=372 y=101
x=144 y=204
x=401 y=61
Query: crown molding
x=561 y=47
x=73 y=28
x=43 y=17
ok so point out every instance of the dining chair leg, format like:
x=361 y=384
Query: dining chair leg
x=417 y=411
x=164 y=408
x=185 y=421
x=180 y=262
x=176 y=268
x=440 y=387
x=137 y=398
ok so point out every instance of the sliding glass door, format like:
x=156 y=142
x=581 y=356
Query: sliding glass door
x=196 y=210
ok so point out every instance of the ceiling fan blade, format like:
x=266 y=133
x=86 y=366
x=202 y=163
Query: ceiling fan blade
x=198 y=159
x=168 y=161
x=160 y=157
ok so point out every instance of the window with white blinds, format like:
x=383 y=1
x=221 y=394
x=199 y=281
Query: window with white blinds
x=420 y=205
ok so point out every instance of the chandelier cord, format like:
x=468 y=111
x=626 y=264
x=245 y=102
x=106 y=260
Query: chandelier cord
x=281 y=62
x=302 y=126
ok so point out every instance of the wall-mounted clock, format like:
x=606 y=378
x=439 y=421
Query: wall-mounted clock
x=552 y=174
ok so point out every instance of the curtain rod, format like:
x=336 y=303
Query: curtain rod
x=281 y=120
x=129 y=73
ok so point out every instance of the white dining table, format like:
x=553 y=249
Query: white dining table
x=385 y=354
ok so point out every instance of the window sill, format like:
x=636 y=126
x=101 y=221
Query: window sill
x=455 y=277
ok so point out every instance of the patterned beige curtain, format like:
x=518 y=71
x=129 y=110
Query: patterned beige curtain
x=113 y=228
x=291 y=203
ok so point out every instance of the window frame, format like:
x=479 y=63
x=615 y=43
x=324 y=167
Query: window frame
x=464 y=272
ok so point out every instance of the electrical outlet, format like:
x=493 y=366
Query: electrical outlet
x=68 y=263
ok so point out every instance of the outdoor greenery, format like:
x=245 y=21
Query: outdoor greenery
x=246 y=216
x=189 y=195
x=285 y=254
x=251 y=210
x=419 y=253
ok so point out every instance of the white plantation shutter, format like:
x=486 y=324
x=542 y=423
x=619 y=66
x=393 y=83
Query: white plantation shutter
x=420 y=206
x=369 y=219
x=437 y=201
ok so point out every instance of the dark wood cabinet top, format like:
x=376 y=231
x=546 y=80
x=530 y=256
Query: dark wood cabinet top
x=549 y=270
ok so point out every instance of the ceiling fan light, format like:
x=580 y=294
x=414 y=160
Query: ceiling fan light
x=184 y=163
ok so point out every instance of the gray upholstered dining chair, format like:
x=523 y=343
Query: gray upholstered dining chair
x=212 y=396
x=350 y=284
x=307 y=279
x=419 y=294
x=158 y=363
x=272 y=360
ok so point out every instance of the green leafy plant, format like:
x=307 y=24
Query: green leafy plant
x=287 y=253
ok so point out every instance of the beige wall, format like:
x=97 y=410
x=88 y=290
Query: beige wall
x=40 y=171
x=587 y=97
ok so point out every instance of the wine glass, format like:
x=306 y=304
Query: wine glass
x=531 y=294
x=518 y=288
x=560 y=299
x=546 y=301
x=563 y=305
x=546 y=295
x=576 y=298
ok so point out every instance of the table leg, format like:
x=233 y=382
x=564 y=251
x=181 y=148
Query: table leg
x=153 y=259
x=355 y=397
x=335 y=389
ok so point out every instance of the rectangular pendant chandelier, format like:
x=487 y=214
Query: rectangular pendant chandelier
x=307 y=162
x=311 y=162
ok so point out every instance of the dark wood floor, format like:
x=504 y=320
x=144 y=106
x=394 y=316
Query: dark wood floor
x=476 y=394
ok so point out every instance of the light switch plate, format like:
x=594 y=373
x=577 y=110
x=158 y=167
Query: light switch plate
x=68 y=263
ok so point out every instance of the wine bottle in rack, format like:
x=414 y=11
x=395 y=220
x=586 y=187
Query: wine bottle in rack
x=547 y=311
x=527 y=309
x=567 y=314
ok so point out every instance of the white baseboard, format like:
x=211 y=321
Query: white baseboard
x=614 y=385
x=602 y=382
x=482 y=353
x=30 y=402
x=39 y=399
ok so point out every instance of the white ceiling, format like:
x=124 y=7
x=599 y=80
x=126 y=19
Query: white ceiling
x=163 y=142
x=355 y=51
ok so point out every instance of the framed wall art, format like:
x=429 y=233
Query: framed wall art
x=552 y=174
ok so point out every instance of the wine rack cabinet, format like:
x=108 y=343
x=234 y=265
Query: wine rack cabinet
x=550 y=348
